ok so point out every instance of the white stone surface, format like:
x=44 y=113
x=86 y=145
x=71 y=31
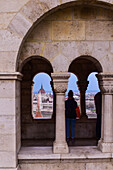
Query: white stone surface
x=7 y=159
x=32 y=10
x=8 y=41
x=60 y=82
x=7 y=142
x=81 y=153
x=60 y=63
x=20 y=25
x=37 y=153
x=11 y=6
x=57 y=53
x=7 y=125
x=7 y=61
x=5 y=19
x=6 y=87
x=98 y=166
x=7 y=106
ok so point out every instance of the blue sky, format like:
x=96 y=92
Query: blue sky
x=45 y=79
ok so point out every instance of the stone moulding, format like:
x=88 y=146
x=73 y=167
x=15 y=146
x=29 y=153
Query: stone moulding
x=62 y=76
x=11 y=76
x=105 y=82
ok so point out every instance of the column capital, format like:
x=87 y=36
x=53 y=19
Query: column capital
x=60 y=81
x=11 y=76
x=82 y=85
x=105 y=82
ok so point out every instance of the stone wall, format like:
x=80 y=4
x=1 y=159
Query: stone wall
x=60 y=38
x=17 y=19
x=72 y=32
x=59 y=165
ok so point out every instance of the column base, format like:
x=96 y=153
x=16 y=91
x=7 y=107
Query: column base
x=60 y=147
x=105 y=147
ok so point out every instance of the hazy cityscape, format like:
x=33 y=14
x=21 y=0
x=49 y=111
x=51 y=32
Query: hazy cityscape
x=43 y=104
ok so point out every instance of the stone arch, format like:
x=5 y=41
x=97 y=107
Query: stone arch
x=33 y=12
x=37 y=58
x=32 y=129
x=84 y=65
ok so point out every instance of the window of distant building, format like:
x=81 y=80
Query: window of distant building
x=42 y=97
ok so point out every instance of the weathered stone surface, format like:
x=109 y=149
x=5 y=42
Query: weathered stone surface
x=8 y=41
x=7 y=106
x=107 y=63
x=49 y=4
x=31 y=49
x=69 y=49
x=84 y=47
x=104 y=14
x=65 y=1
x=7 y=61
x=64 y=14
x=20 y=25
x=7 y=159
x=111 y=47
x=98 y=166
x=5 y=19
x=99 y=30
x=33 y=10
x=88 y=13
x=68 y=30
x=60 y=63
x=55 y=166
x=6 y=87
x=11 y=6
x=84 y=12
x=7 y=125
x=41 y=32
x=7 y=143
x=100 y=49
x=51 y=50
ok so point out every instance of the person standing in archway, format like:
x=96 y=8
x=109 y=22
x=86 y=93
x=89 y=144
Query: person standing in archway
x=98 y=105
x=70 y=106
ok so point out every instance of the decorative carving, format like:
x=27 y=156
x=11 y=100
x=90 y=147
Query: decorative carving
x=82 y=85
x=105 y=82
x=60 y=87
x=60 y=82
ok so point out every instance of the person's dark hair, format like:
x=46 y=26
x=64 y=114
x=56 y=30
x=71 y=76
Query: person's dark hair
x=70 y=93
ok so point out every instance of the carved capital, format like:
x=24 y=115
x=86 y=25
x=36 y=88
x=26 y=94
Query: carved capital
x=60 y=82
x=82 y=85
x=105 y=82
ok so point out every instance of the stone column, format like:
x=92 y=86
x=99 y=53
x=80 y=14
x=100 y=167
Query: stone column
x=106 y=85
x=60 y=82
x=10 y=129
x=82 y=85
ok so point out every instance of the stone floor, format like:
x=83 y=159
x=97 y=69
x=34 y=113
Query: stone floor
x=76 y=153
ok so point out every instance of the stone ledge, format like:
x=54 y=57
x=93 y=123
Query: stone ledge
x=11 y=76
x=76 y=153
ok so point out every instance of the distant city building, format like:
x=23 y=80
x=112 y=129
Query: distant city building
x=42 y=104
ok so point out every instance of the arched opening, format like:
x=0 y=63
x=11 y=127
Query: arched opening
x=82 y=67
x=42 y=101
x=91 y=91
x=34 y=132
